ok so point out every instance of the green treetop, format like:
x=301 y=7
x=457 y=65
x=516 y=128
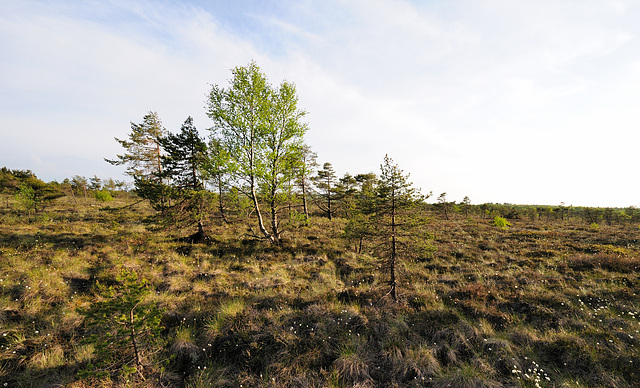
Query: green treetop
x=143 y=155
x=259 y=127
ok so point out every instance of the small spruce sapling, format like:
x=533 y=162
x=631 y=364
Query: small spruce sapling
x=123 y=328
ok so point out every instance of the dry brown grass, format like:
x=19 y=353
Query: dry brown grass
x=551 y=296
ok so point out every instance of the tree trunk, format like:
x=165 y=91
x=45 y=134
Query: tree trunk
x=329 y=198
x=274 y=222
x=304 y=202
x=134 y=344
x=275 y=232
x=392 y=263
x=256 y=206
x=221 y=203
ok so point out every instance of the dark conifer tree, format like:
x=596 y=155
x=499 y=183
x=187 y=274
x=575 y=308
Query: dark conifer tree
x=326 y=183
x=34 y=194
x=400 y=230
x=185 y=156
x=359 y=227
x=8 y=183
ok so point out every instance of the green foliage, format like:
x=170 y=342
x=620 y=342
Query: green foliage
x=501 y=223
x=26 y=197
x=444 y=205
x=186 y=155
x=79 y=185
x=259 y=129
x=187 y=208
x=466 y=205
x=152 y=190
x=123 y=327
x=95 y=183
x=184 y=171
x=9 y=180
x=325 y=181
x=103 y=196
x=143 y=149
x=401 y=232
x=34 y=194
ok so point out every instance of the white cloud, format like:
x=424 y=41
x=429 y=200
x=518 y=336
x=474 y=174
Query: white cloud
x=500 y=101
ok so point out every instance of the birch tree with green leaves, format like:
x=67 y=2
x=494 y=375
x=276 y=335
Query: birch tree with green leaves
x=260 y=128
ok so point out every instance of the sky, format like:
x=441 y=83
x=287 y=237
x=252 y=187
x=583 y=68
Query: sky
x=524 y=102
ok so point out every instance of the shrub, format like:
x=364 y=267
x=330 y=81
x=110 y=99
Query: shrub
x=103 y=196
x=501 y=223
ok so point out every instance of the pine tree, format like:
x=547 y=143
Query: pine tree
x=304 y=172
x=400 y=230
x=95 y=183
x=79 y=184
x=34 y=194
x=183 y=167
x=123 y=327
x=360 y=226
x=185 y=156
x=143 y=156
x=9 y=184
x=444 y=205
x=325 y=181
x=466 y=204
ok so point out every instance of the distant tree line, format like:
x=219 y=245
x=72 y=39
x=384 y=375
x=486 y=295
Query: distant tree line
x=35 y=195
x=562 y=212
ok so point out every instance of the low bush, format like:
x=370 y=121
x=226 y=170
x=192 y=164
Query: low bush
x=501 y=223
x=103 y=196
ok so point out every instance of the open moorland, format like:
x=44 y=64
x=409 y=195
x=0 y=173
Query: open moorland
x=93 y=294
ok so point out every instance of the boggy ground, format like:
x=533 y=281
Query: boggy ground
x=551 y=304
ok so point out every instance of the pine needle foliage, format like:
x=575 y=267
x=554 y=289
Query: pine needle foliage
x=184 y=161
x=34 y=194
x=185 y=156
x=143 y=149
x=122 y=327
x=400 y=231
